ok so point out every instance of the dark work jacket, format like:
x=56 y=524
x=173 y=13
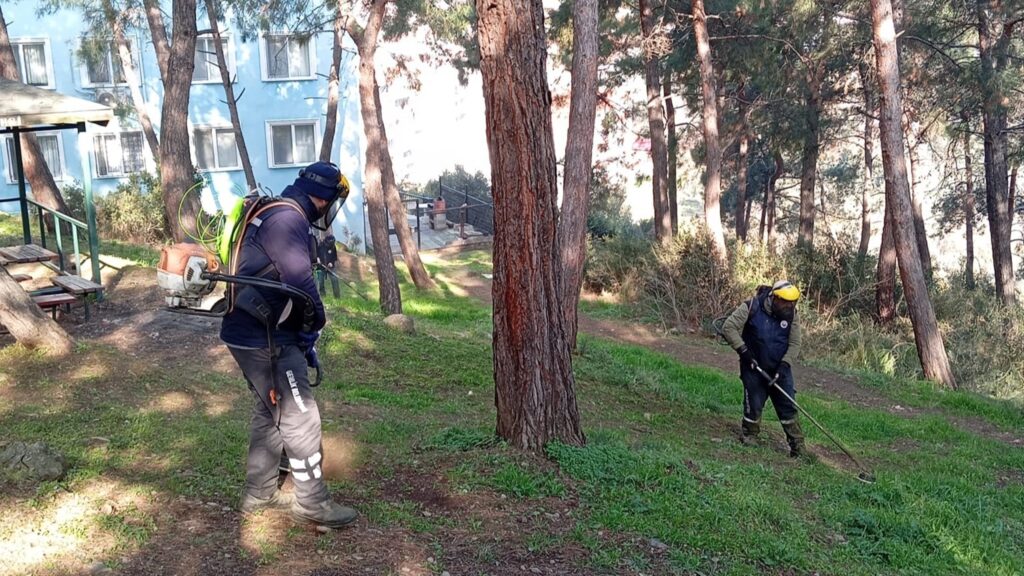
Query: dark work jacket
x=766 y=336
x=328 y=251
x=284 y=242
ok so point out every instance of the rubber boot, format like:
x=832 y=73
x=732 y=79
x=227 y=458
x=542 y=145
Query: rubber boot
x=795 y=437
x=750 y=432
x=328 y=514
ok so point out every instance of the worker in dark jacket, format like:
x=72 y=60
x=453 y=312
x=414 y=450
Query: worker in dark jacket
x=327 y=252
x=765 y=333
x=273 y=343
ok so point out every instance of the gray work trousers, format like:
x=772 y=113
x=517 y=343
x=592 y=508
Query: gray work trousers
x=292 y=425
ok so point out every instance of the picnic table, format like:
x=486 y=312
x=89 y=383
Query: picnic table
x=25 y=254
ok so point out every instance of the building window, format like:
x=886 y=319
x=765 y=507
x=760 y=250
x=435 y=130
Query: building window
x=32 y=59
x=215 y=148
x=206 y=69
x=101 y=64
x=287 y=57
x=292 y=143
x=53 y=155
x=119 y=154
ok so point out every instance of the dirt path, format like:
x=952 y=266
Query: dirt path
x=696 y=350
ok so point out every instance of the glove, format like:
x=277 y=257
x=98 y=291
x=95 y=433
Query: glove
x=307 y=340
x=312 y=360
x=746 y=357
x=782 y=366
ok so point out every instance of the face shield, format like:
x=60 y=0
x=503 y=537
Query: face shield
x=329 y=212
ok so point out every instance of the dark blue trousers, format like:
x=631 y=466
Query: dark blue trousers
x=756 y=392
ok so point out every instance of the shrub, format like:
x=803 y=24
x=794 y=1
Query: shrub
x=74 y=197
x=134 y=212
x=614 y=260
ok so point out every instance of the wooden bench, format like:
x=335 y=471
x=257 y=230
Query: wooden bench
x=78 y=286
x=54 y=301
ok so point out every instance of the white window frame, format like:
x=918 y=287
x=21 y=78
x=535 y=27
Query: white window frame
x=19 y=55
x=214 y=128
x=83 y=66
x=229 y=55
x=9 y=162
x=317 y=137
x=147 y=158
x=265 y=58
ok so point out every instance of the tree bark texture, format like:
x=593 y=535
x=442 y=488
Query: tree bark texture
x=229 y=95
x=969 y=210
x=930 y=348
x=920 y=231
x=29 y=325
x=131 y=76
x=741 y=177
x=373 y=185
x=37 y=173
x=656 y=122
x=868 y=184
x=673 y=153
x=158 y=32
x=809 y=157
x=333 y=83
x=534 y=384
x=885 y=279
x=393 y=199
x=713 y=174
x=994 y=38
x=579 y=153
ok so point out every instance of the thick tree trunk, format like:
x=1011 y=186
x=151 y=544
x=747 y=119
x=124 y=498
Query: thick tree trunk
x=809 y=158
x=713 y=174
x=229 y=95
x=158 y=32
x=534 y=384
x=656 y=121
x=373 y=185
x=931 y=350
x=29 y=325
x=969 y=209
x=176 y=172
x=131 y=76
x=399 y=216
x=994 y=32
x=673 y=153
x=579 y=152
x=920 y=231
x=37 y=173
x=333 y=84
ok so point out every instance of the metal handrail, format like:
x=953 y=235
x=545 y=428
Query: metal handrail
x=73 y=224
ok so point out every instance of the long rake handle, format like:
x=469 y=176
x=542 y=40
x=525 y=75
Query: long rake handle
x=773 y=382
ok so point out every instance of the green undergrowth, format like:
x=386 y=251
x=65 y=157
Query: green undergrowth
x=662 y=486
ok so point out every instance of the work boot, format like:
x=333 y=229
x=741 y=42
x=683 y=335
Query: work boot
x=795 y=437
x=750 y=430
x=279 y=501
x=328 y=514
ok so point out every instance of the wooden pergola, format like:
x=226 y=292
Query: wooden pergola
x=25 y=109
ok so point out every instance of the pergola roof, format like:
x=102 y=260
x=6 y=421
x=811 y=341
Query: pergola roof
x=23 y=106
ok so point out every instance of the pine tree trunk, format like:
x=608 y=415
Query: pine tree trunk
x=176 y=172
x=768 y=211
x=29 y=325
x=741 y=184
x=868 y=185
x=399 y=216
x=969 y=209
x=673 y=153
x=37 y=173
x=229 y=96
x=157 y=30
x=713 y=174
x=931 y=350
x=373 y=184
x=333 y=84
x=579 y=151
x=534 y=383
x=994 y=39
x=809 y=159
x=920 y=231
x=885 y=293
x=131 y=76
x=656 y=122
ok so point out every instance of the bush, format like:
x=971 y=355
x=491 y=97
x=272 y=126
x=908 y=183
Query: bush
x=134 y=212
x=612 y=261
x=74 y=197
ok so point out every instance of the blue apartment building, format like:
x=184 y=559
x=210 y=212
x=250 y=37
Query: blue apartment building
x=282 y=79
